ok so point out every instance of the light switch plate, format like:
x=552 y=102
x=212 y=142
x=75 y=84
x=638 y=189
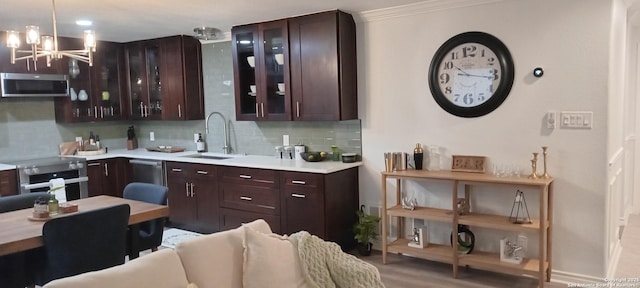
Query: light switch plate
x=576 y=119
x=152 y=136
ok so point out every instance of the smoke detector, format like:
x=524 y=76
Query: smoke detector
x=207 y=33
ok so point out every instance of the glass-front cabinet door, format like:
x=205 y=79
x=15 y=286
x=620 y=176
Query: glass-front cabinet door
x=106 y=86
x=260 y=57
x=143 y=62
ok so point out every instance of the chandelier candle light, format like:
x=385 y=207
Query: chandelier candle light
x=49 y=45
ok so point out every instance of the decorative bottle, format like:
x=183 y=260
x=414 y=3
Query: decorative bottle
x=53 y=204
x=418 y=155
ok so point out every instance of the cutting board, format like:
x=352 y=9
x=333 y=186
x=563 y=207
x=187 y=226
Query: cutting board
x=68 y=148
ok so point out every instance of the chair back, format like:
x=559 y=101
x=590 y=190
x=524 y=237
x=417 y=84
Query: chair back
x=146 y=192
x=21 y=201
x=83 y=242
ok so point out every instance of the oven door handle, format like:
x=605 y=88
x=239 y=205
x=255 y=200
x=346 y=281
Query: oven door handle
x=46 y=184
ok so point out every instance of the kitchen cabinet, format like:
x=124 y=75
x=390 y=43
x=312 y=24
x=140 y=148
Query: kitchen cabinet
x=312 y=58
x=101 y=83
x=8 y=183
x=107 y=176
x=322 y=204
x=260 y=57
x=22 y=66
x=323 y=66
x=247 y=194
x=193 y=196
x=164 y=80
x=538 y=266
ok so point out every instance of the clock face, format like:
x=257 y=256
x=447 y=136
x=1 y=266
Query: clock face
x=471 y=74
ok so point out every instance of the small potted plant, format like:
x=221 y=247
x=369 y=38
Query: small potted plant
x=365 y=231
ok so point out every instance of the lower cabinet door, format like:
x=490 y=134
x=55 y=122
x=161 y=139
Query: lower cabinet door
x=304 y=210
x=182 y=209
x=231 y=219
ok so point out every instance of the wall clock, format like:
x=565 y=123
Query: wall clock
x=471 y=74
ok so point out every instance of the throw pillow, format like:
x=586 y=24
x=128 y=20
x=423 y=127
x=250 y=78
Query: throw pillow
x=270 y=260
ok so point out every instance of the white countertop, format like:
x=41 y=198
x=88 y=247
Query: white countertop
x=237 y=160
x=4 y=167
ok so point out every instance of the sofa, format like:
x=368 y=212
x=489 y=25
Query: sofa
x=248 y=256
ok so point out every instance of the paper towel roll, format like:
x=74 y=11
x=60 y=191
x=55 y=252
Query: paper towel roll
x=60 y=193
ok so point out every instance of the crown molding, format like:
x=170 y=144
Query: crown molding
x=428 y=6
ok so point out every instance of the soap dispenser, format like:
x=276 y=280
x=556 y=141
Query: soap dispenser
x=200 y=147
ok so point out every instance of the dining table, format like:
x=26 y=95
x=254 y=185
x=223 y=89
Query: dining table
x=19 y=231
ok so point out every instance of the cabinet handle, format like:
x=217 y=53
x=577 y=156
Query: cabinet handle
x=202 y=172
x=179 y=111
x=257 y=111
x=146 y=110
x=246 y=198
x=95 y=112
x=176 y=170
x=245 y=176
x=141 y=109
x=262 y=108
x=94 y=164
x=298 y=109
x=186 y=188
x=101 y=112
x=106 y=169
x=111 y=110
x=192 y=193
x=298 y=195
x=298 y=182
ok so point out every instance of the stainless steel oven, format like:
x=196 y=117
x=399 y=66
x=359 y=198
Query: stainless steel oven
x=34 y=175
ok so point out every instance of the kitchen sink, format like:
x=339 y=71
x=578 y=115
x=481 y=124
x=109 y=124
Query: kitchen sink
x=202 y=156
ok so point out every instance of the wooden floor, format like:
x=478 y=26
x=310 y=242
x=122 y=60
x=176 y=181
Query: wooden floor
x=408 y=272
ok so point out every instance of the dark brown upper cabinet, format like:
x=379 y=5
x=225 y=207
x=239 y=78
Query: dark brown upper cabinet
x=301 y=68
x=323 y=66
x=260 y=57
x=96 y=93
x=164 y=79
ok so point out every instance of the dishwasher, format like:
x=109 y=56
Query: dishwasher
x=147 y=171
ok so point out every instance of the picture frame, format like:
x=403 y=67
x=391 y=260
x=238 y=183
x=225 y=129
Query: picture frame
x=466 y=163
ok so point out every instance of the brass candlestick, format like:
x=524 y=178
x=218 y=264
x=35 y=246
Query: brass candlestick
x=544 y=159
x=534 y=163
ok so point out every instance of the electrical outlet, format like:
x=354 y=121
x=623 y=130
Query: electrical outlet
x=152 y=136
x=576 y=119
x=285 y=140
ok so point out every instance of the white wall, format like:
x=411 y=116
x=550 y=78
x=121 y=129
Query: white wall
x=569 y=39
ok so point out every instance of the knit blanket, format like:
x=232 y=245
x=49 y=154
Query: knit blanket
x=325 y=265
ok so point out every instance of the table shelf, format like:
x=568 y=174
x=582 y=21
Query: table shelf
x=539 y=266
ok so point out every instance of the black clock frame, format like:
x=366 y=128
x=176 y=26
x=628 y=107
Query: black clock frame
x=503 y=89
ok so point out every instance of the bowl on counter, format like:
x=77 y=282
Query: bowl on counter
x=349 y=157
x=313 y=156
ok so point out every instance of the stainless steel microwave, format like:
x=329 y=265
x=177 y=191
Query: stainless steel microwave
x=34 y=85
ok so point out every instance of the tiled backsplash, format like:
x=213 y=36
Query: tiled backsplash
x=28 y=128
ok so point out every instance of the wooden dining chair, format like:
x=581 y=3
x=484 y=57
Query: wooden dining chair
x=82 y=242
x=13 y=267
x=149 y=235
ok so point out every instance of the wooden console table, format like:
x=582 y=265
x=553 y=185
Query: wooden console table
x=539 y=267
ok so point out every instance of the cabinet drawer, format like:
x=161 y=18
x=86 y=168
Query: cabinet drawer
x=250 y=198
x=177 y=169
x=8 y=183
x=231 y=219
x=249 y=176
x=302 y=181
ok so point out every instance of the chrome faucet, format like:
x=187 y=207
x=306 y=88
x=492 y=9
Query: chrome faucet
x=227 y=148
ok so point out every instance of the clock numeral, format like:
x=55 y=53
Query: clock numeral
x=469 y=51
x=447 y=90
x=482 y=53
x=468 y=99
x=481 y=97
x=454 y=55
x=456 y=97
x=444 y=78
x=447 y=65
x=494 y=72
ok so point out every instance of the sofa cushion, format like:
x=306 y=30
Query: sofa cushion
x=215 y=260
x=162 y=268
x=270 y=260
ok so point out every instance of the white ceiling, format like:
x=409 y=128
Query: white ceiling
x=128 y=20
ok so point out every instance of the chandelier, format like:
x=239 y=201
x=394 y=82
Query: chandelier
x=47 y=46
